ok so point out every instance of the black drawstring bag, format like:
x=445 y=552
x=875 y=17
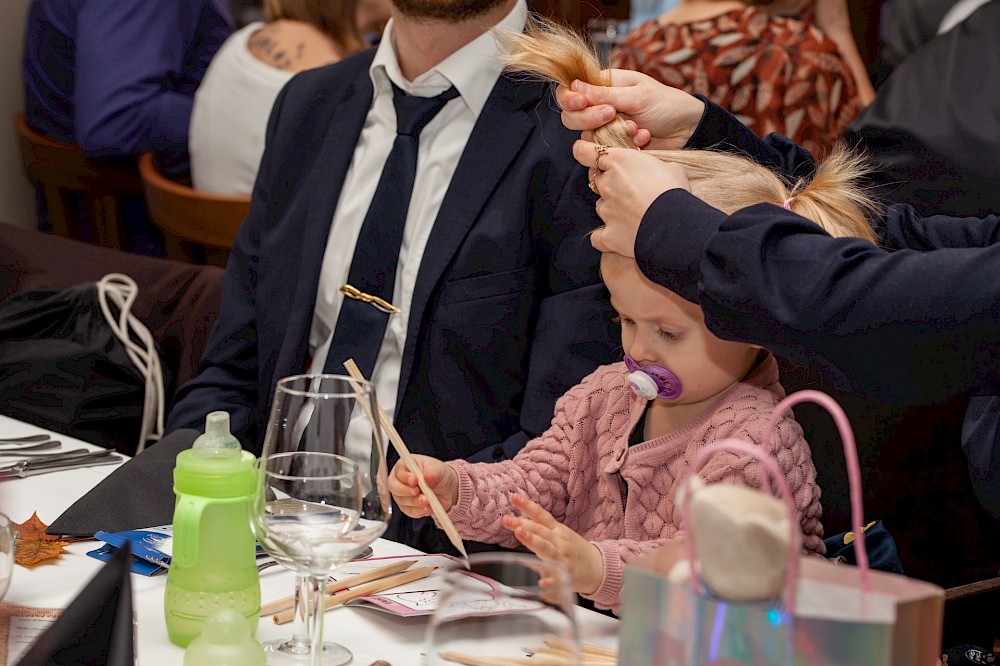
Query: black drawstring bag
x=62 y=366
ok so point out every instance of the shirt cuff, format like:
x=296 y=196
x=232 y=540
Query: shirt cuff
x=671 y=241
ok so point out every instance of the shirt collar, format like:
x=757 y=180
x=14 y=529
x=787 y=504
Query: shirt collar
x=473 y=69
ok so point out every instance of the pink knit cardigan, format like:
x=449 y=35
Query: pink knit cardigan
x=579 y=469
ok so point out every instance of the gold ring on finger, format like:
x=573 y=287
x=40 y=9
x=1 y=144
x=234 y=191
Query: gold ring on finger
x=601 y=150
x=593 y=186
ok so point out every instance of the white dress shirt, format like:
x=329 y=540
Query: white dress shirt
x=473 y=70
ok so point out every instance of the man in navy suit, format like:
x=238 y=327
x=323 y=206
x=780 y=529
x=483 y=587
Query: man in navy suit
x=502 y=305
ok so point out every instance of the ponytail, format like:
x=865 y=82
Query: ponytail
x=834 y=197
x=555 y=53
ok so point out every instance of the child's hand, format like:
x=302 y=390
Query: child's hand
x=441 y=478
x=554 y=542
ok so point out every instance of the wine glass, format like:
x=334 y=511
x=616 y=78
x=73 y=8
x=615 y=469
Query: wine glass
x=6 y=553
x=504 y=606
x=321 y=497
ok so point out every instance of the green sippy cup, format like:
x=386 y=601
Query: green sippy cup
x=213 y=563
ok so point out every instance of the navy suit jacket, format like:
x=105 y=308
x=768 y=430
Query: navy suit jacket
x=508 y=309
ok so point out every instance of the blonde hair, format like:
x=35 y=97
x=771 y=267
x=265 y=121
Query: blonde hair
x=833 y=198
x=336 y=18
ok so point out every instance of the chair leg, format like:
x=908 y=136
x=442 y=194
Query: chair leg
x=181 y=250
x=105 y=220
x=216 y=256
x=56 y=205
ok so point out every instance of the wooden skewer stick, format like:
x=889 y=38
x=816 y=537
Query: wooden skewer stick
x=374 y=587
x=585 y=649
x=536 y=659
x=411 y=465
x=570 y=657
x=279 y=605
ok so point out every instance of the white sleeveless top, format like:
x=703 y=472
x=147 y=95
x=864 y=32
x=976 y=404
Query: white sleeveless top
x=229 y=118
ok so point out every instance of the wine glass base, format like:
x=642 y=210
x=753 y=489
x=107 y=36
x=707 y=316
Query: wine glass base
x=287 y=653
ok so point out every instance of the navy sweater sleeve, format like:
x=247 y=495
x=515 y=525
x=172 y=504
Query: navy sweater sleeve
x=137 y=67
x=718 y=129
x=909 y=326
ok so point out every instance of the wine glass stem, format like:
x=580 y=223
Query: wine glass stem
x=317 y=588
x=300 y=626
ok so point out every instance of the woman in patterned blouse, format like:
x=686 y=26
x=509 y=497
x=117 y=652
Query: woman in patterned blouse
x=799 y=77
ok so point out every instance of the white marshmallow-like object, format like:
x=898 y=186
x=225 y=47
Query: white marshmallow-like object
x=740 y=538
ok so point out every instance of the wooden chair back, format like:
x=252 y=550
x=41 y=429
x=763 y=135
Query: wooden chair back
x=200 y=227
x=66 y=177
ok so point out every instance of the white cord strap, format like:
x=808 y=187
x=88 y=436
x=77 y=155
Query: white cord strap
x=121 y=290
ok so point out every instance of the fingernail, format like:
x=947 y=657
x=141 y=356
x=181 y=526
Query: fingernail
x=607 y=114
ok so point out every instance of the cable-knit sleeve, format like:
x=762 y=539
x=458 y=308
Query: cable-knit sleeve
x=541 y=471
x=790 y=450
x=617 y=553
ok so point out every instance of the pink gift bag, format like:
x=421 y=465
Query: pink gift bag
x=829 y=614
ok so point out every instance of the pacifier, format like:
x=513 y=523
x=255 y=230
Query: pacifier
x=652 y=381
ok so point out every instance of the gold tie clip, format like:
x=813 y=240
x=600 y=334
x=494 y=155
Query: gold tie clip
x=357 y=294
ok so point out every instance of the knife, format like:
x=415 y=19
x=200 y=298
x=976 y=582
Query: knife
x=25 y=468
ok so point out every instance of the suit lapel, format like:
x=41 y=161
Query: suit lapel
x=316 y=202
x=500 y=133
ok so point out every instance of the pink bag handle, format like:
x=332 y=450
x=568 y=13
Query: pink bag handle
x=850 y=457
x=769 y=467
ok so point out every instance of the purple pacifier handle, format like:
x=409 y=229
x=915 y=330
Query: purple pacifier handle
x=668 y=386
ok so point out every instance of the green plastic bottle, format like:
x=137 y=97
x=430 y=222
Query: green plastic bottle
x=213 y=563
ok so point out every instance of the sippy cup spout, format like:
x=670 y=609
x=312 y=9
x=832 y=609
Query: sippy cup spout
x=217 y=440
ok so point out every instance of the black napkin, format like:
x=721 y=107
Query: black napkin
x=138 y=494
x=97 y=627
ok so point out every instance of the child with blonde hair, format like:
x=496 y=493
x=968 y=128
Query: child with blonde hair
x=598 y=488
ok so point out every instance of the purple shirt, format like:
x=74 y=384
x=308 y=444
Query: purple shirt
x=118 y=77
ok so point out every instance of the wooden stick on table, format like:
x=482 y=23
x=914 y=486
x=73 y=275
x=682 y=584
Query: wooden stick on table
x=411 y=465
x=374 y=587
x=279 y=605
x=535 y=660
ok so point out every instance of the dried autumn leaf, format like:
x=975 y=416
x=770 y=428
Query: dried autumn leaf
x=33 y=545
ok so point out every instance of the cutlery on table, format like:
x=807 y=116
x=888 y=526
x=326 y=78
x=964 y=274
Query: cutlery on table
x=23 y=440
x=24 y=468
x=51 y=444
x=68 y=453
x=58 y=455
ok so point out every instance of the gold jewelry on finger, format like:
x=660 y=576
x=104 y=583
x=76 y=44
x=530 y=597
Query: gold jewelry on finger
x=593 y=186
x=601 y=150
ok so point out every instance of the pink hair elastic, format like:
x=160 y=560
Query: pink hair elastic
x=788 y=203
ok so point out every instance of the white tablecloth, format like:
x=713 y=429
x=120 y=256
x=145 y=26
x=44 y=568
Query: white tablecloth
x=369 y=634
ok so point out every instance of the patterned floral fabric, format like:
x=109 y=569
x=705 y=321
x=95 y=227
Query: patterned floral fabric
x=775 y=74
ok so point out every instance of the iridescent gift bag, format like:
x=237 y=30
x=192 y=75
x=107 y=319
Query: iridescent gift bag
x=829 y=615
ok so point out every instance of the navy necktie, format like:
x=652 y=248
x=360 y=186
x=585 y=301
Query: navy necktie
x=361 y=324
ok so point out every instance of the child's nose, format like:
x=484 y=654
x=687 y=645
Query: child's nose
x=641 y=350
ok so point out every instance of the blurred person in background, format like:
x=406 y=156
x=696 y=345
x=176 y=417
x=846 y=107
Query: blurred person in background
x=119 y=78
x=933 y=133
x=785 y=66
x=235 y=99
